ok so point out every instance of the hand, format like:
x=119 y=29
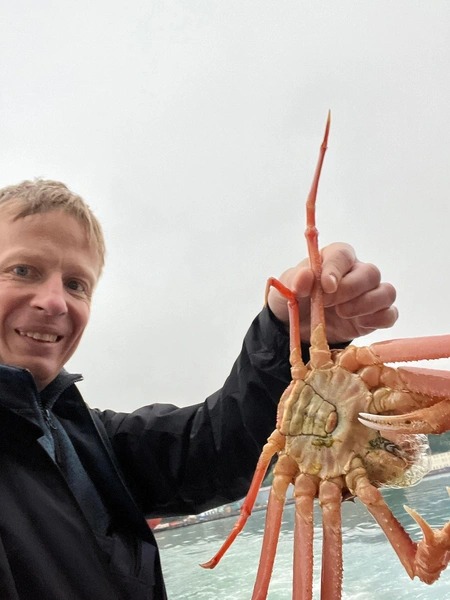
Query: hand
x=356 y=303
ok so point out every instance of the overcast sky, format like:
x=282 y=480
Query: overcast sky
x=192 y=129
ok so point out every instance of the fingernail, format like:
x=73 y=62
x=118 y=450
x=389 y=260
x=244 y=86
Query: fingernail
x=334 y=280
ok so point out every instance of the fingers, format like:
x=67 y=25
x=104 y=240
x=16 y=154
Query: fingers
x=359 y=301
x=366 y=303
x=383 y=319
x=353 y=292
x=299 y=279
x=361 y=279
x=338 y=260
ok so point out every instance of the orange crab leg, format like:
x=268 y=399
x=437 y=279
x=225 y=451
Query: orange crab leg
x=319 y=351
x=426 y=559
x=330 y=498
x=276 y=441
x=307 y=485
x=433 y=552
x=274 y=444
x=369 y=495
x=305 y=491
x=311 y=234
x=404 y=547
x=432 y=382
x=409 y=349
x=294 y=319
x=284 y=473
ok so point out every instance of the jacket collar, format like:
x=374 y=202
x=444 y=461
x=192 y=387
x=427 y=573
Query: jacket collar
x=19 y=394
x=50 y=394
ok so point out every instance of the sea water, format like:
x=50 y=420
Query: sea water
x=372 y=570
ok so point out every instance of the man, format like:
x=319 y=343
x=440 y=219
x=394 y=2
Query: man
x=75 y=483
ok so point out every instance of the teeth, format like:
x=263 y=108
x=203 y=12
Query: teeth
x=45 y=337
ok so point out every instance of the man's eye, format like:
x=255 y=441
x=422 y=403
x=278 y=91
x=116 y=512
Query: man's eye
x=75 y=285
x=21 y=270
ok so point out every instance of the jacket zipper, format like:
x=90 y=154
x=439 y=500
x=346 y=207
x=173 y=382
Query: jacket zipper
x=48 y=419
x=53 y=431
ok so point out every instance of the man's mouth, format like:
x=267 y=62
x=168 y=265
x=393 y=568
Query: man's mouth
x=49 y=338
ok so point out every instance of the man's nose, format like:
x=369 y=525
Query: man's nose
x=50 y=296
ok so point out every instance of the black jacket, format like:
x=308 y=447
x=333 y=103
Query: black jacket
x=156 y=461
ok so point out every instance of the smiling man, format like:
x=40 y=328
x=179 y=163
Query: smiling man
x=76 y=483
x=48 y=271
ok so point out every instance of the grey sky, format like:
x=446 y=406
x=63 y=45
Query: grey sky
x=192 y=129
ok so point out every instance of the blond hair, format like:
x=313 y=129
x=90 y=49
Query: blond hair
x=44 y=195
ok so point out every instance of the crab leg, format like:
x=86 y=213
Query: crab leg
x=294 y=319
x=305 y=491
x=330 y=498
x=400 y=541
x=433 y=552
x=320 y=352
x=402 y=544
x=311 y=234
x=409 y=349
x=284 y=473
x=275 y=443
x=426 y=559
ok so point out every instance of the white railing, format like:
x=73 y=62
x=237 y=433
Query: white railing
x=440 y=461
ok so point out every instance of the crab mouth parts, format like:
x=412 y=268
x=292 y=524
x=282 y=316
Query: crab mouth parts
x=48 y=338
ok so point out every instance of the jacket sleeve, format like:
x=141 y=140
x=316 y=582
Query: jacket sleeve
x=186 y=460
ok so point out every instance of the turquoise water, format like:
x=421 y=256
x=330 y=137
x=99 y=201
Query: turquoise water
x=372 y=570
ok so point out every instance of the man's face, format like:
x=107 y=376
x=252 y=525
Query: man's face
x=48 y=272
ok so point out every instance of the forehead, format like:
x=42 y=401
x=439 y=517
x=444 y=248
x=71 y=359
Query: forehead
x=53 y=234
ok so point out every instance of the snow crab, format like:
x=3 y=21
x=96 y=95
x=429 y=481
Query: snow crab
x=346 y=425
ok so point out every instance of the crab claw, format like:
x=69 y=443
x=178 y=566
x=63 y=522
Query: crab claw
x=433 y=552
x=434 y=419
